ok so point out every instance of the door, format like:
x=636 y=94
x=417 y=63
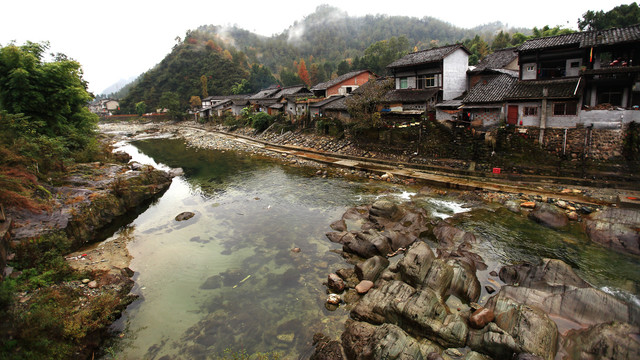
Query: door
x=512 y=114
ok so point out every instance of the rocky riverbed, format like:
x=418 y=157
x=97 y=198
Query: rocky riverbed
x=424 y=303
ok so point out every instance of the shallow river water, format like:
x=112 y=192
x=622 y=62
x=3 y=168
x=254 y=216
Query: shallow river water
x=227 y=280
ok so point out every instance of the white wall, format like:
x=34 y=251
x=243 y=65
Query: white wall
x=455 y=74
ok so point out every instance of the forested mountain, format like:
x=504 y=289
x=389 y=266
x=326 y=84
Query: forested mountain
x=327 y=42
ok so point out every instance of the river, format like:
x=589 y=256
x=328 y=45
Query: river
x=227 y=279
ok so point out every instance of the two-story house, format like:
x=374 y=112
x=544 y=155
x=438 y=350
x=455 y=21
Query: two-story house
x=564 y=80
x=343 y=84
x=427 y=77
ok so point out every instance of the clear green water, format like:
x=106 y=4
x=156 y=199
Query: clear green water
x=227 y=278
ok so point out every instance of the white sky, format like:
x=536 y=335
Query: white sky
x=121 y=39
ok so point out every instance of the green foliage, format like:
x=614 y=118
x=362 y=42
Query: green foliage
x=382 y=53
x=261 y=121
x=260 y=77
x=181 y=72
x=43 y=110
x=241 y=88
x=619 y=16
x=171 y=101
x=289 y=77
x=141 y=108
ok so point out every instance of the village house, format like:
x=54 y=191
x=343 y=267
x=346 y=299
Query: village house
x=317 y=109
x=274 y=99
x=425 y=78
x=586 y=79
x=343 y=84
x=489 y=82
x=104 y=107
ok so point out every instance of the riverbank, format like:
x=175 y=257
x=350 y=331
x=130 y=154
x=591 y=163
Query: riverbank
x=57 y=304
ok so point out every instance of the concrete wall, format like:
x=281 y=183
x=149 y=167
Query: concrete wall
x=455 y=74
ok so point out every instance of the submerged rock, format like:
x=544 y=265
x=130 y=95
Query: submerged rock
x=615 y=228
x=549 y=215
x=613 y=340
x=555 y=288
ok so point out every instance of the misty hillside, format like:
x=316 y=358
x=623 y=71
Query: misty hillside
x=329 y=41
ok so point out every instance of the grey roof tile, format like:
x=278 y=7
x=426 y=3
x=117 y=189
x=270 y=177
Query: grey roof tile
x=426 y=56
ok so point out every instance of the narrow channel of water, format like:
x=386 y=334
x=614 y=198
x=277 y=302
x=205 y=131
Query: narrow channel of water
x=227 y=278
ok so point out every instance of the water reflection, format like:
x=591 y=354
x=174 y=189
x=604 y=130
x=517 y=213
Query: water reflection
x=227 y=278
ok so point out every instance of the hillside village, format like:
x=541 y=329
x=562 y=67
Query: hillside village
x=575 y=90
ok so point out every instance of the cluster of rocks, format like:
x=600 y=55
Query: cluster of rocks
x=407 y=313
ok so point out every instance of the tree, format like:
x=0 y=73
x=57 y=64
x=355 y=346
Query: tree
x=205 y=88
x=241 y=88
x=619 y=16
x=382 y=53
x=141 y=108
x=303 y=74
x=170 y=101
x=363 y=106
x=501 y=41
x=289 y=78
x=195 y=102
x=260 y=77
x=343 y=67
x=52 y=95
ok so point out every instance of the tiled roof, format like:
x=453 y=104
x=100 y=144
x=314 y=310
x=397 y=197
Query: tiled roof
x=585 y=39
x=410 y=95
x=611 y=36
x=291 y=90
x=265 y=93
x=493 y=91
x=558 y=89
x=426 y=56
x=496 y=60
x=326 y=101
x=552 y=41
x=338 y=105
x=327 y=84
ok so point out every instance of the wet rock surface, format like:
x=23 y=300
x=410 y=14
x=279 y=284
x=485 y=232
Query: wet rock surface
x=541 y=310
x=616 y=228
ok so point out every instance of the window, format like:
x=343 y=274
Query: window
x=403 y=83
x=426 y=81
x=565 y=108
x=575 y=64
x=531 y=68
x=530 y=111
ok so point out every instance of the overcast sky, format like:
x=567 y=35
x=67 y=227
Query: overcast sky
x=121 y=39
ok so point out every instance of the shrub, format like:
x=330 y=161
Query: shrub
x=261 y=121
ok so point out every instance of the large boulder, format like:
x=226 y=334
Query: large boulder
x=464 y=283
x=613 y=340
x=615 y=228
x=363 y=341
x=419 y=312
x=371 y=268
x=549 y=215
x=555 y=288
x=416 y=263
x=448 y=236
x=517 y=328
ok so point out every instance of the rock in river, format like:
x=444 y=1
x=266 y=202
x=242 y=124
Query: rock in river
x=185 y=216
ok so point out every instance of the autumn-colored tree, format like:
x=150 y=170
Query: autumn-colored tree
x=303 y=74
x=205 y=90
x=195 y=102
